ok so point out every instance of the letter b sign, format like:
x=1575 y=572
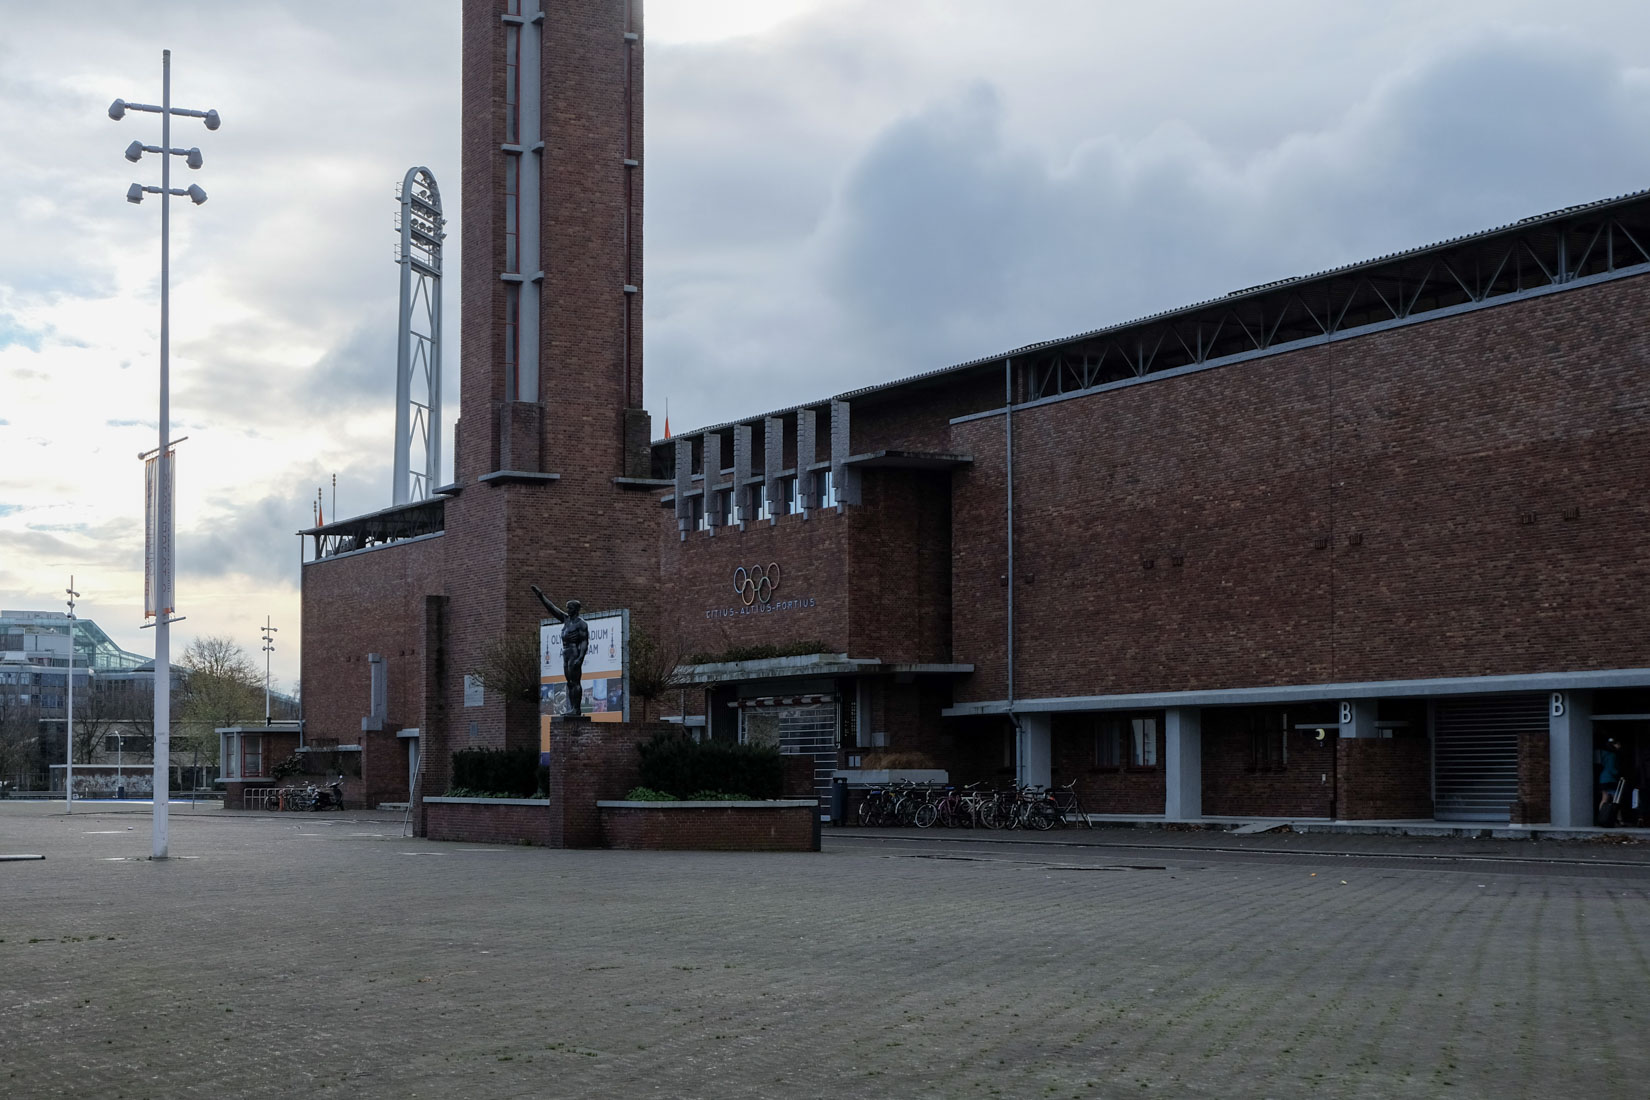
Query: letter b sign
x=1346 y=714
x=1557 y=708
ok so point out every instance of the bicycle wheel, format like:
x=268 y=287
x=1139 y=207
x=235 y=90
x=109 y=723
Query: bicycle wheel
x=925 y=816
x=1041 y=818
x=988 y=816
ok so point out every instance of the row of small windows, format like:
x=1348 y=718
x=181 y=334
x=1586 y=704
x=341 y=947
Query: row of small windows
x=50 y=701
x=753 y=503
x=44 y=678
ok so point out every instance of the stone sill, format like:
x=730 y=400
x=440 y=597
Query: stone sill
x=776 y=804
x=445 y=801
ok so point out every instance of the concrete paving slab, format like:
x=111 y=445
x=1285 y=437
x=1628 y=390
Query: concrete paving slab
x=300 y=955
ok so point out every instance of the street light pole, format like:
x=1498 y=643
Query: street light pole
x=161 y=602
x=68 y=775
x=269 y=647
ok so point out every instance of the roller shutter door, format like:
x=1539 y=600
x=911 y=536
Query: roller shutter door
x=1475 y=754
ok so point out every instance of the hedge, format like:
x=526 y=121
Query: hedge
x=506 y=773
x=676 y=764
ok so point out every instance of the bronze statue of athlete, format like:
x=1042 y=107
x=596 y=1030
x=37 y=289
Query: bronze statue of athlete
x=575 y=642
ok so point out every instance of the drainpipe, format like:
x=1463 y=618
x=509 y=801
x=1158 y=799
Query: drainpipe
x=1008 y=437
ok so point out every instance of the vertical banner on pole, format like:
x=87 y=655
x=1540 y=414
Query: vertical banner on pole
x=158 y=516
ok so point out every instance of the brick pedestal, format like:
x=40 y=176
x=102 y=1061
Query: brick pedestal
x=591 y=761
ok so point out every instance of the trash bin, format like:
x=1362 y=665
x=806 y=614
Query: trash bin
x=839 y=800
x=120 y=792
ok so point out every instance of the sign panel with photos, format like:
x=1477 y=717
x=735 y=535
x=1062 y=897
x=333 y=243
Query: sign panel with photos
x=606 y=676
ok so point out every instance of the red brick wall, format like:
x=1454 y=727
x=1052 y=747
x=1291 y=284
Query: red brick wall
x=1305 y=787
x=488 y=824
x=1381 y=778
x=1534 y=805
x=371 y=601
x=1103 y=790
x=770 y=829
x=878 y=576
x=1414 y=453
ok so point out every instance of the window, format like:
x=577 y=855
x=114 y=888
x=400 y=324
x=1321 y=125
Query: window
x=1143 y=752
x=696 y=510
x=1268 y=750
x=824 y=491
x=1108 y=743
x=231 y=756
x=791 y=505
x=720 y=502
x=1126 y=740
x=512 y=191
x=512 y=306
x=512 y=84
x=252 y=754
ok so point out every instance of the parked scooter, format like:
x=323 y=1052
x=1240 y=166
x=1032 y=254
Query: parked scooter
x=330 y=797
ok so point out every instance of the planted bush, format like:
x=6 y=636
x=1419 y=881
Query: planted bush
x=499 y=773
x=676 y=764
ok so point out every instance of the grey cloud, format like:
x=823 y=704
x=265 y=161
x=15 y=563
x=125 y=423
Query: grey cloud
x=951 y=238
x=255 y=538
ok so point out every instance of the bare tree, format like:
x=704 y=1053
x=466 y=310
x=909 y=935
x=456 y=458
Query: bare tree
x=221 y=687
x=653 y=668
x=19 y=740
x=510 y=666
x=96 y=713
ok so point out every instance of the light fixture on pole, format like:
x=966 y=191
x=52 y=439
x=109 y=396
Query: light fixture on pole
x=159 y=602
x=269 y=647
x=68 y=725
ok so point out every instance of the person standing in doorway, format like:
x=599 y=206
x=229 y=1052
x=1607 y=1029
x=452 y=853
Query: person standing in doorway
x=1608 y=762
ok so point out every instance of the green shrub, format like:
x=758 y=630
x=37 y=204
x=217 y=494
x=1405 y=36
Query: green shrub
x=502 y=773
x=648 y=794
x=675 y=763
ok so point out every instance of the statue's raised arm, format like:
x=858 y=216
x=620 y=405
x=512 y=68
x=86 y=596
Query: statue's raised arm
x=559 y=615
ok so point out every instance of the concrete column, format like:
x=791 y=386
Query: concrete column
x=773 y=455
x=1570 y=743
x=1035 y=750
x=805 y=430
x=684 y=482
x=844 y=477
x=741 y=473
x=712 y=464
x=1358 y=718
x=1183 y=764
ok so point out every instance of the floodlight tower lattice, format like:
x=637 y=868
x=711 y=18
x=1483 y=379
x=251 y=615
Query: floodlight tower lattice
x=418 y=344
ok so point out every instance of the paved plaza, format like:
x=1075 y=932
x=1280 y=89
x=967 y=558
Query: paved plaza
x=327 y=955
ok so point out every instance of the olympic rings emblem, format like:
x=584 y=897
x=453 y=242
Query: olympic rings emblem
x=756 y=584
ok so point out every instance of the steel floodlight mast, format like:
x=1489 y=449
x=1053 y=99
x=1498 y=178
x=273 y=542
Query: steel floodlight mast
x=418 y=341
x=269 y=633
x=68 y=725
x=161 y=601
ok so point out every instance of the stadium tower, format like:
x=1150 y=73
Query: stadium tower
x=552 y=448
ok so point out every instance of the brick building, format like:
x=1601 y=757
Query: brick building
x=1363 y=544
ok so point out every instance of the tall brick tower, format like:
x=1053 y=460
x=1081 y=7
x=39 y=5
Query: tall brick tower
x=552 y=446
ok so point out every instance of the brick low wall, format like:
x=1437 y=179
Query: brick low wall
x=785 y=826
x=1383 y=778
x=489 y=820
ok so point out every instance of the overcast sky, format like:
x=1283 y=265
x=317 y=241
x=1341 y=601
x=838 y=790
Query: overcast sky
x=838 y=193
